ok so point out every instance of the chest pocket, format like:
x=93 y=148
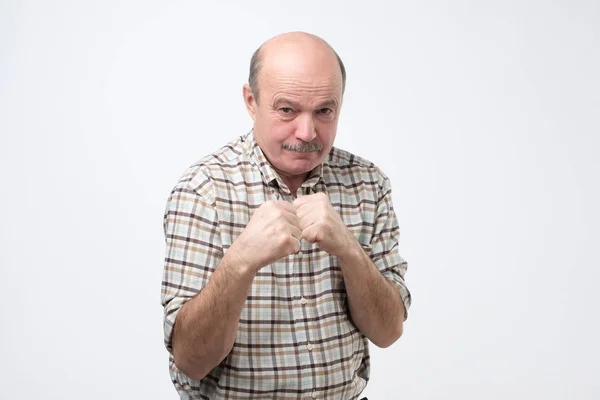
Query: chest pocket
x=356 y=221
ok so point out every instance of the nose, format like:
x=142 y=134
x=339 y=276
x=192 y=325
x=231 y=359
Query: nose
x=305 y=130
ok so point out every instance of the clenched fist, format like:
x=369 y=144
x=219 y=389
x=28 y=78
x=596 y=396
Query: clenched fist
x=272 y=233
x=321 y=224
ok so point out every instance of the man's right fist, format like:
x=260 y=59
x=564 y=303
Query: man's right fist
x=272 y=233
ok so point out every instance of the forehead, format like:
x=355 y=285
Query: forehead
x=301 y=72
x=300 y=86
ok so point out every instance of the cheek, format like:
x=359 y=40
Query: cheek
x=280 y=130
x=274 y=131
x=326 y=133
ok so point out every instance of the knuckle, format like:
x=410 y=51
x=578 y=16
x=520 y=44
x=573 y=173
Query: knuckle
x=284 y=236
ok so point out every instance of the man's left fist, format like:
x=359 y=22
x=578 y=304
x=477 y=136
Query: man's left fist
x=322 y=225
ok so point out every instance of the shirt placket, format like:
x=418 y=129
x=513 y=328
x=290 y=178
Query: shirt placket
x=305 y=304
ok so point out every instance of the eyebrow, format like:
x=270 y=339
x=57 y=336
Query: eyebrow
x=330 y=103
x=284 y=101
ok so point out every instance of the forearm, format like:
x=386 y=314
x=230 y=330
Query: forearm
x=375 y=304
x=206 y=325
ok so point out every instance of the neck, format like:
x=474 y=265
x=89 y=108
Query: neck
x=293 y=182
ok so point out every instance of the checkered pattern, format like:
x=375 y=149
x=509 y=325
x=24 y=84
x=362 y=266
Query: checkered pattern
x=295 y=338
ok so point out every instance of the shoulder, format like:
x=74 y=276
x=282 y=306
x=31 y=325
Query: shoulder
x=199 y=177
x=346 y=166
x=345 y=159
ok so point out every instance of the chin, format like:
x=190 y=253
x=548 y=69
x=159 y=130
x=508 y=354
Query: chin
x=298 y=167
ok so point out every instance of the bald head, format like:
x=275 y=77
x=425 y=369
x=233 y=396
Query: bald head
x=294 y=50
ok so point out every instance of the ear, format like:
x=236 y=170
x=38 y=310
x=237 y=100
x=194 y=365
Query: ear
x=250 y=101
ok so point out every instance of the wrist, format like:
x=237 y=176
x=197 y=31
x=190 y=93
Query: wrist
x=236 y=262
x=351 y=251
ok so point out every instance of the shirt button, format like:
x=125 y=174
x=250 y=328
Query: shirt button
x=300 y=254
x=314 y=394
x=303 y=301
x=309 y=346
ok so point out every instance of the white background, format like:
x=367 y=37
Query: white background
x=485 y=115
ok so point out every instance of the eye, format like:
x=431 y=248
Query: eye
x=325 y=111
x=286 y=110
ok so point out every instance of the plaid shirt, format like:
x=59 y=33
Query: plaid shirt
x=295 y=338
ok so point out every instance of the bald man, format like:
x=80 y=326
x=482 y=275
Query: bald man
x=282 y=250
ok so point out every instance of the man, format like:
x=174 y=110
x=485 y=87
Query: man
x=282 y=258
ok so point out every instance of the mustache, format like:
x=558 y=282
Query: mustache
x=303 y=147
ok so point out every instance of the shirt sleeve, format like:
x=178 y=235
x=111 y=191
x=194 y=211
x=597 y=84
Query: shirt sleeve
x=384 y=243
x=193 y=251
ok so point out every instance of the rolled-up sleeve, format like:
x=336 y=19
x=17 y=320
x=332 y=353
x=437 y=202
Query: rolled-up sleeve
x=193 y=251
x=384 y=243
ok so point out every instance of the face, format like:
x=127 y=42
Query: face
x=295 y=118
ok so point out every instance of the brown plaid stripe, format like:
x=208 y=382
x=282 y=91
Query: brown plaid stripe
x=295 y=338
